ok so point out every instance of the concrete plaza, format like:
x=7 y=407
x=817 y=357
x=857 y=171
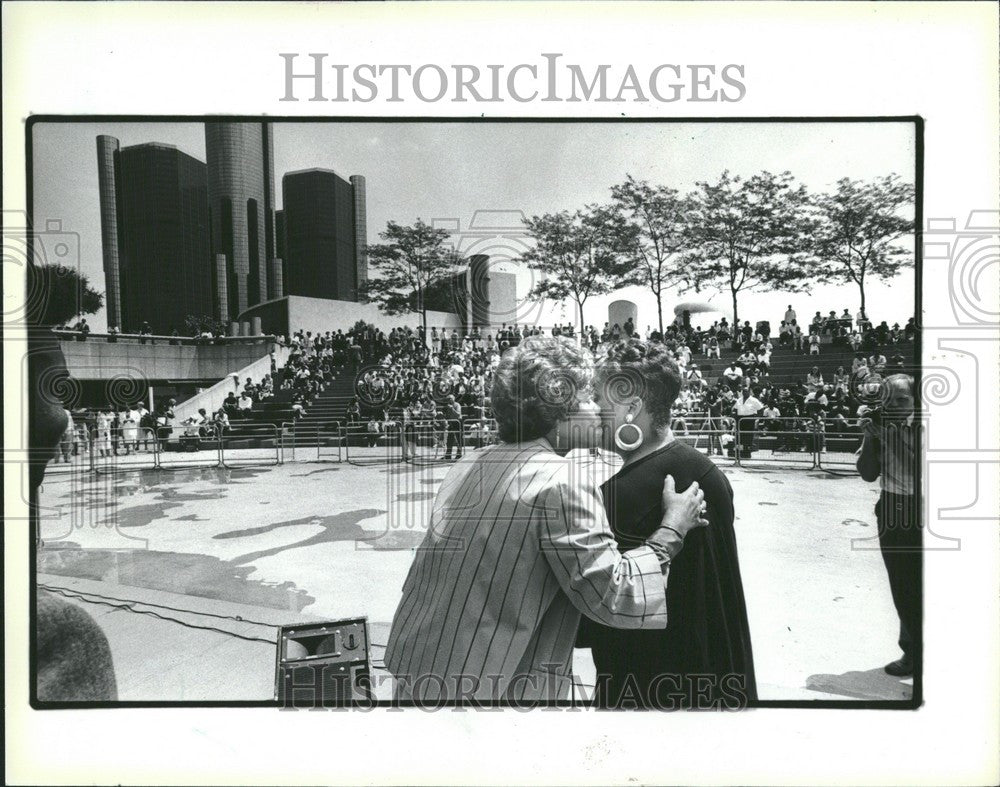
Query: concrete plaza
x=189 y=570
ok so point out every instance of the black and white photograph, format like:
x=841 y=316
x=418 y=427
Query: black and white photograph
x=622 y=414
x=501 y=393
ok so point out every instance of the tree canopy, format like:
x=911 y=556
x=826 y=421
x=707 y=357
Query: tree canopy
x=410 y=261
x=575 y=255
x=857 y=228
x=749 y=234
x=56 y=294
x=649 y=225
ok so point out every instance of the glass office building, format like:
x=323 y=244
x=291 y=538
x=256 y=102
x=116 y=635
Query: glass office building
x=324 y=228
x=154 y=232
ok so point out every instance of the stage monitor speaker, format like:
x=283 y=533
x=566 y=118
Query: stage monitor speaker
x=323 y=664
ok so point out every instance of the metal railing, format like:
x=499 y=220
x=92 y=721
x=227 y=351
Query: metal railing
x=250 y=445
x=188 y=445
x=769 y=442
x=363 y=446
x=841 y=444
x=751 y=442
x=147 y=338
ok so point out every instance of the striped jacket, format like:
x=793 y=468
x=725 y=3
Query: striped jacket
x=517 y=547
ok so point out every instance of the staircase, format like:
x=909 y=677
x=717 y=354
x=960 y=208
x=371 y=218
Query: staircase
x=790 y=366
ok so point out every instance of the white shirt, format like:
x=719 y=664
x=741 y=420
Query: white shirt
x=750 y=406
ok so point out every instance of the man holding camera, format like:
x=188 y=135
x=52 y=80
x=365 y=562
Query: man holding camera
x=889 y=453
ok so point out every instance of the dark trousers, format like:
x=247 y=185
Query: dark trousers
x=746 y=435
x=900 y=537
x=453 y=438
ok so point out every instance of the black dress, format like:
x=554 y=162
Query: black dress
x=703 y=659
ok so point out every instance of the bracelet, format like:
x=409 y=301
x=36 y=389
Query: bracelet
x=673 y=530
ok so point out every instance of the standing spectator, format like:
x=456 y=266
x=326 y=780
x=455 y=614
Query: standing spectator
x=82 y=329
x=164 y=419
x=147 y=426
x=104 y=419
x=130 y=430
x=789 y=315
x=814 y=341
x=888 y=454
x=66 y=440
x=746 y=409
x=144 y=331
x=453 y=437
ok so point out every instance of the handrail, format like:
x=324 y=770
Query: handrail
x=141 y=338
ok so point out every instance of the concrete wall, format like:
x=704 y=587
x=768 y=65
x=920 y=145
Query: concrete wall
x=320 y=315
x=96 y=359
x=212 y=398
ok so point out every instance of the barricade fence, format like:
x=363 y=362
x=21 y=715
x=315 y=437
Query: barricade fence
x=750 y=441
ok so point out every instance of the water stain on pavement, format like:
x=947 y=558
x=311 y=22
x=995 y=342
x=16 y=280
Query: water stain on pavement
x=140 y=516
x=314 y=472
x=337 y=527
x=173 y=572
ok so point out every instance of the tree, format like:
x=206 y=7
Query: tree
x=575 y=255
x=649 y=225
x=56 y=294
x=857 y=229
x=411 y=260
x=199 y=323
x=749 y=235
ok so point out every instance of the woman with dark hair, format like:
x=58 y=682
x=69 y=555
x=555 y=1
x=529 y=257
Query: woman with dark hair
x=703 y=658
x=518 y=547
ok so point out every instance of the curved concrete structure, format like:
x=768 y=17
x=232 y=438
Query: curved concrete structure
x=620 y=311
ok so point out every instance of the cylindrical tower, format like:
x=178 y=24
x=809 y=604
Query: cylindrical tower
x=360 y=231
x=107 y=158
x=240 y=194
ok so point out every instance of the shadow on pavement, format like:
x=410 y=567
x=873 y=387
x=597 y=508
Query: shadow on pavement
x=873 y=684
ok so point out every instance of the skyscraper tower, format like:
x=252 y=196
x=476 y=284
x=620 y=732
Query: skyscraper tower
x=154 y=234
x=324 y=234
x=240 y=159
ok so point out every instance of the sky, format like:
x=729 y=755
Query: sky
x=447 y=172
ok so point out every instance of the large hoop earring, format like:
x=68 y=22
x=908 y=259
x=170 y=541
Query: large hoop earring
x=621 y=439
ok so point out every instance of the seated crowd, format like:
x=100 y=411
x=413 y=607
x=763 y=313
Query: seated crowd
x=408 y=380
